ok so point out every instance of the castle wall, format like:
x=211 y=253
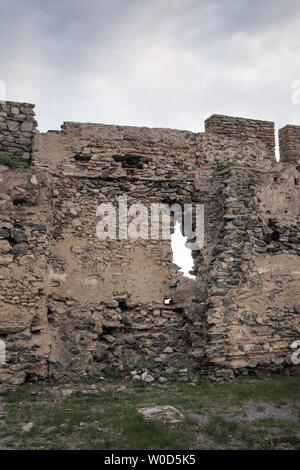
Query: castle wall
x=241 y=128
x=25 y=220
x=17 y=129
x=73 y=304
x=289 y=143
x=254 y=299
x=106 y=298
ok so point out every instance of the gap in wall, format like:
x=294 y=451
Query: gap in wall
x=182 y=255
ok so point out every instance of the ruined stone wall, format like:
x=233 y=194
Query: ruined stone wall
x=289 y=143
x=254 y=301
x=17 y=129
x=106 y=298
x=241 y=128
x=72 y=304
x=25 y=221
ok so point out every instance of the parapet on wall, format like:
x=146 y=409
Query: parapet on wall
x=72 y=303
x=17 y=129
x=243 y=129
x=289 y=143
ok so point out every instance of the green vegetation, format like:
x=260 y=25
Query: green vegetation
x=248 y=413
x=8 y=160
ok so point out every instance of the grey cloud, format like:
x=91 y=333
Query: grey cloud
x=152 y=62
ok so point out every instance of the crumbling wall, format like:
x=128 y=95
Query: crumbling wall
x=254 y=301
x=17 y=129
x=106 y=298
x=241 y=128
x=73 y=304
x=24 y=246
x=289 y=144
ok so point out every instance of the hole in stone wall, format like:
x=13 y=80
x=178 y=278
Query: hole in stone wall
x=275 y=236
x=122 y=305
x=129 y=161
x=82 y=158
x=20 y=201
x=106 y=330
x=50 y=315
x=182 y=256
x=179 y=310
x=296 y=181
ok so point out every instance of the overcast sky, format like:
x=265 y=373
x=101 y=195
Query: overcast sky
x=158 y=63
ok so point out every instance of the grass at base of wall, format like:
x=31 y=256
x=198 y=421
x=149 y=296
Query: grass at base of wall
x=248 y=413
x=8 y=160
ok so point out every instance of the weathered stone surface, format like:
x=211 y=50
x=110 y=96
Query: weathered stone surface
x=26 y=428
x=72 y=304
x=146 y=377
x=239 y=364
x=27 y=126
x=5 y=260
x=26 y=260
x=164 y=413
x=19 y=236
x=4 y=233
x=4 y=246
x=20 y=249
x=17 y=130
x=17 y=378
